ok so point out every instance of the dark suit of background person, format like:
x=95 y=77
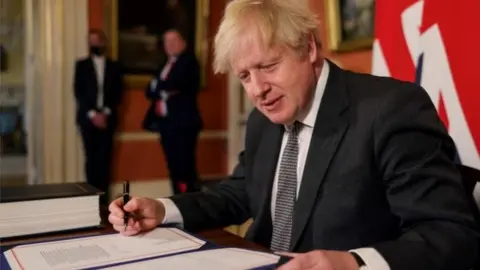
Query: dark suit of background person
x=379 y=173
x=180 y=122
x=98 y=92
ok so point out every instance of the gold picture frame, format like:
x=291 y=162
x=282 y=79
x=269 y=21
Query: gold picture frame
x=137 y=81
x=335 y=27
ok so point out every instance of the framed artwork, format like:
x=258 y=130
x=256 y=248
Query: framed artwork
x=135 y=31
x=350 y=24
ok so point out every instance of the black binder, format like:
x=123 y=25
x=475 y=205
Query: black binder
x=46 y=191
x=58 y=207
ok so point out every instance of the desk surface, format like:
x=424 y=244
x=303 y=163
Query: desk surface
x=217 y=236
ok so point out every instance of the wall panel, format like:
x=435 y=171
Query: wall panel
x=144 y=159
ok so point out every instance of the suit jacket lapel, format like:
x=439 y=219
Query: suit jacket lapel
x=330 y=126
x=93 y=73
x=264 y=172
x=106 y=74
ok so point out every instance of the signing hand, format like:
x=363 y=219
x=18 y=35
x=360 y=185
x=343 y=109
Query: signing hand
x=320 y=260
x=145 y=214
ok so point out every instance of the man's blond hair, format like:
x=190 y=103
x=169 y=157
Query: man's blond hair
x=280 y=22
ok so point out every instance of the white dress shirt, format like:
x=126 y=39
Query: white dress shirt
x=372 y=259
x=99 y=66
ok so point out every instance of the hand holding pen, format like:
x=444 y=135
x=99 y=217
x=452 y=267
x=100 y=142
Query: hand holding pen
x=131 y=215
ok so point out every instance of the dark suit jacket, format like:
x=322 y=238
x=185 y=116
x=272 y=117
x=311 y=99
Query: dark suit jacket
x=86 y=89
x=184 y=82
x=379 y=173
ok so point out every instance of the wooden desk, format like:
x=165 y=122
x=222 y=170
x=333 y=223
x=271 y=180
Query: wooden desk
x=218 y=236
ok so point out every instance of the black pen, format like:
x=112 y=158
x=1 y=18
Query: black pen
x=126 y=198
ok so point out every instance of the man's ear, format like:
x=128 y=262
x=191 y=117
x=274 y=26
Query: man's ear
x=312 y=49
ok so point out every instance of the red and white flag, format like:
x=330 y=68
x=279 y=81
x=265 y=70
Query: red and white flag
x=433 y=43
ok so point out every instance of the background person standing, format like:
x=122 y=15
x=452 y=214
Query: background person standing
x=174 y=113
x=98 y=90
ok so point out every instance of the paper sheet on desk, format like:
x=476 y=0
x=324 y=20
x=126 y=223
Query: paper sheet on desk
x=101 y=250
x=214 y=259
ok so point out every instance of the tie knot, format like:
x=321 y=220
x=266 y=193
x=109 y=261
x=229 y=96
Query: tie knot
x=293 y=128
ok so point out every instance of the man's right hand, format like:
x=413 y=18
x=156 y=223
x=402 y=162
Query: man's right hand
x=144 y=214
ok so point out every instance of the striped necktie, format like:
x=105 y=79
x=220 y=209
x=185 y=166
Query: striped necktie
x=287 y=192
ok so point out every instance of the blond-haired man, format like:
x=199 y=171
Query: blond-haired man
x=348 y=171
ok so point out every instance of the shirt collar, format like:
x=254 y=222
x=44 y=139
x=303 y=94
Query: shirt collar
x=98 y=58
x=309 y=118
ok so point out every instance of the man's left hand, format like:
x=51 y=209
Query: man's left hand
x=320 y=260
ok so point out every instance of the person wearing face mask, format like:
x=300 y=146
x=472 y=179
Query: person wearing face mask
x=98 y=87
x=173 y=111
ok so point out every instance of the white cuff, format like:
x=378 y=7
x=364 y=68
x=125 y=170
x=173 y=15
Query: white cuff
x=153 y=84
x=372 y=258
x=107 y=110
x=164 y=95
x=172 y=213
x=91 y=113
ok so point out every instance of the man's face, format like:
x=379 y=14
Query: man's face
x=277 y=80
x=173 y=43
x=95 y=40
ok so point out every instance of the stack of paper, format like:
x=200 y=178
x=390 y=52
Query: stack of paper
x=48 y=208
x=162 y=248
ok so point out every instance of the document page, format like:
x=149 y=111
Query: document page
x=215 y=259
x=101 y=250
